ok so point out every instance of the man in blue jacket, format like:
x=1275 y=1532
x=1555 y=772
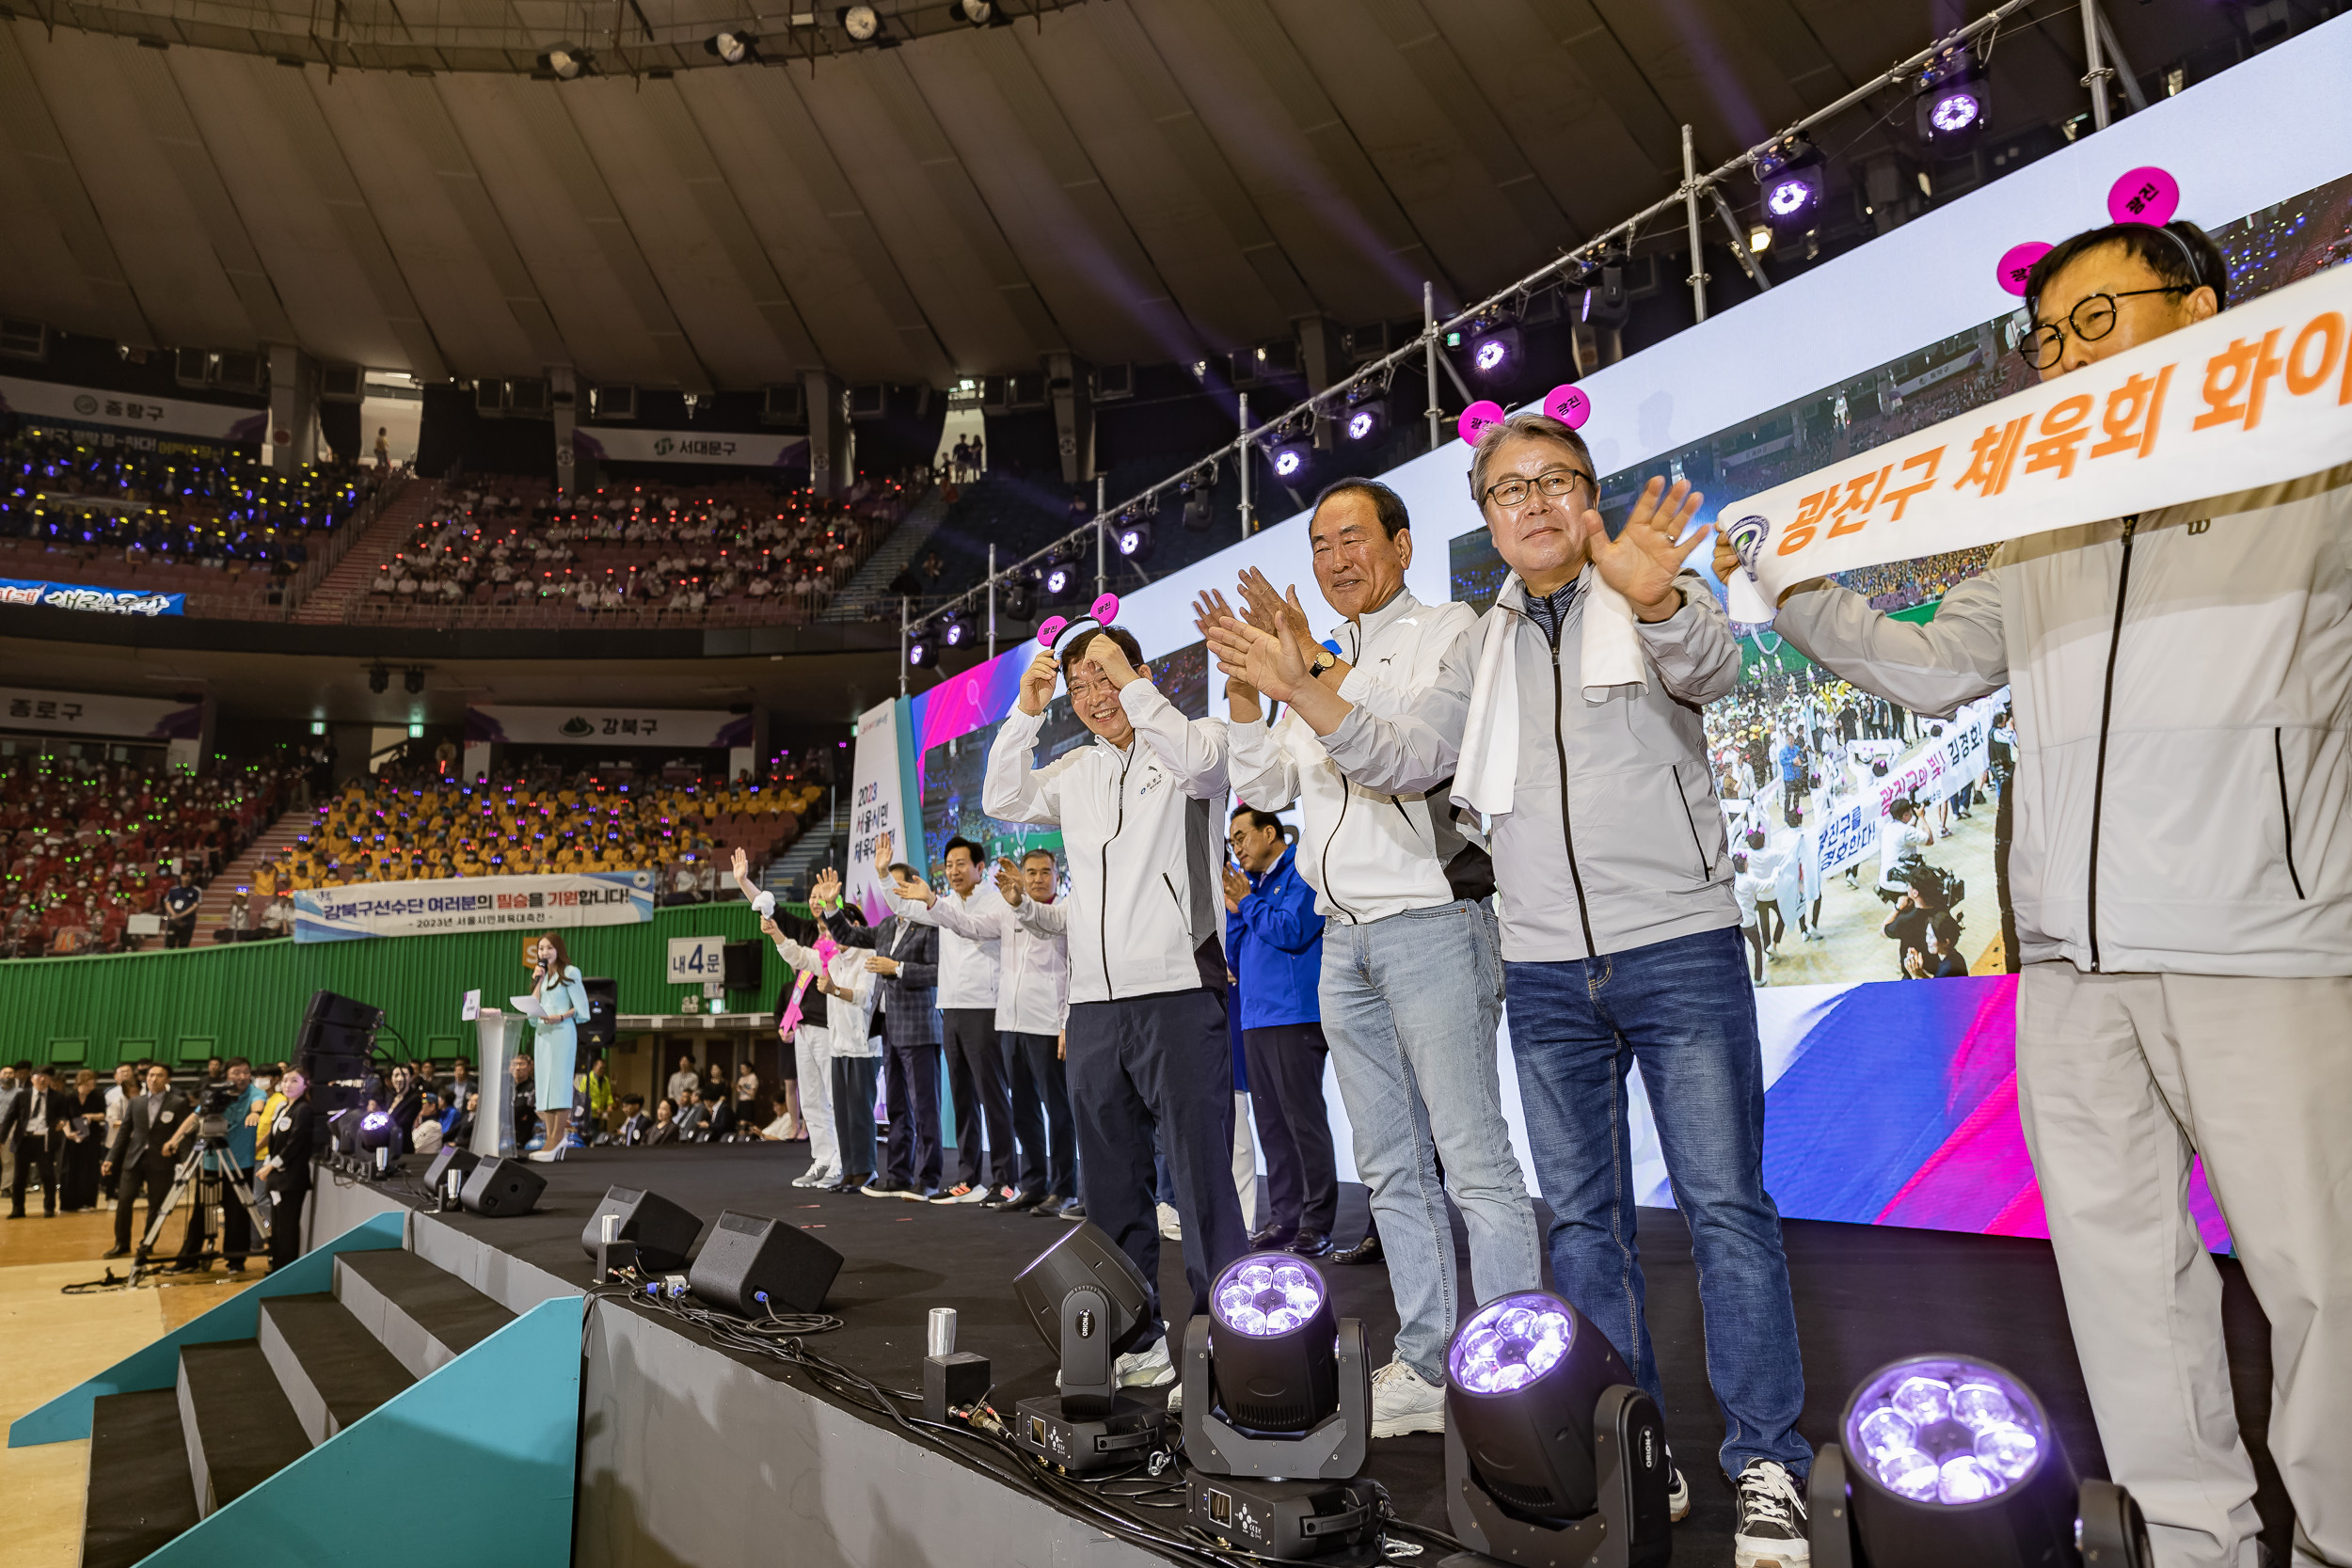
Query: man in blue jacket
x=1275 y=941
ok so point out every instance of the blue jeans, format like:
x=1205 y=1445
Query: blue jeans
x=1684 y=1010
x=1409 y=1007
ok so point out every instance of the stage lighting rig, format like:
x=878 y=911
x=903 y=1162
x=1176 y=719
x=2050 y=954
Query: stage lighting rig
x=1131 y=536
x=978 y=13
x=565 y=61
x=1494 y=350
x=379 y=679
x=859 y=21
x=1792 y=178
x=1059 y=582
x=1951 y=102
x=379 y=1133
x=1017 y=593
x=1551 y=1453
x=733 y=46
x=1087 y=1301
x=953 y=627
x=922 y=648
x=412 y=679
x=1947 y=1461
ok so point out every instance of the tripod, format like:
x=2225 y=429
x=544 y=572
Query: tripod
x=212 y=1138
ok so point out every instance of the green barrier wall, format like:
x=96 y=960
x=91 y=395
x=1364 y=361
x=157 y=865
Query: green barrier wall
x=247 y=998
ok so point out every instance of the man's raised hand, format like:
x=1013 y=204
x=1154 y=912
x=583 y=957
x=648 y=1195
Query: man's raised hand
x=1643 y=559
x=1037 y=683
x=1269 y=608
x=1009 y=881
x=881 y=854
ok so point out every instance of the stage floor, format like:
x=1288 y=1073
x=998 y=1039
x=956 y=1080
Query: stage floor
x=1864 y=1295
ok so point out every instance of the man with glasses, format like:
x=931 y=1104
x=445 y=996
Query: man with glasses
x=1149 y=1058
x=2180 y=872
x=1412 y=985
x=1570 y=722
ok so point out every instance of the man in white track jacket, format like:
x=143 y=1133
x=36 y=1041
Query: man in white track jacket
x=2180 y=868
x=1139 y=809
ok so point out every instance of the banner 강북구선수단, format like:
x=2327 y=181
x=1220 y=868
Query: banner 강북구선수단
x=2260 y=394
x=474 y=903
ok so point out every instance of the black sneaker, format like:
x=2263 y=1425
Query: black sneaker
x=1772 y=1530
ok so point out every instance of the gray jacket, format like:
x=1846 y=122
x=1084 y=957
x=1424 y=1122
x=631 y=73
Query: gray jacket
x=1634 y=851
x=2183 y=798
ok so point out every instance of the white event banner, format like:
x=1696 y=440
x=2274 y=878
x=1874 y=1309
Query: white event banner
x=2257 y=395
x=474 y=903
x=747 y=449
x=705 y=728
x=57 y=400
x=879 y=805
x=98 y=713
x=1846 y=830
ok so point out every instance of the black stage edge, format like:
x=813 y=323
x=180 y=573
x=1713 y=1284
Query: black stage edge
x=683 y=1461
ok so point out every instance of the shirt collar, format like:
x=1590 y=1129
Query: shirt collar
x=1289 y=852
x=1373 y=622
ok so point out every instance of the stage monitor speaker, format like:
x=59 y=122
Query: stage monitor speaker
x=336 y=1040
x=341 y=1011
x=501 y=1189
x=604 y=1005
x=452 y=1157
x=664 y=1232
x=753 y=1266
x=740 y=962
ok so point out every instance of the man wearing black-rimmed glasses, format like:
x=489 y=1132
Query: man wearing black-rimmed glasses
x=2181 y=873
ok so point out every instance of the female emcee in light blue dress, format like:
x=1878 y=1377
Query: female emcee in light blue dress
x=556 y=1040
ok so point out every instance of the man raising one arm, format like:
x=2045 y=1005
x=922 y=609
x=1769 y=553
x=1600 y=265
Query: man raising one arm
x=1148 y=1051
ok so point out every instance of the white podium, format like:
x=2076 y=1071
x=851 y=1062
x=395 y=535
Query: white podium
x=500 y=1038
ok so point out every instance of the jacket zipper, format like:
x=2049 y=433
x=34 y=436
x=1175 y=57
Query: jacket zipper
x=1347 y=793
x=1103 y=916
x=2286 y=817
x=1567 y=829
x=2107 y=712
x=1705 y=870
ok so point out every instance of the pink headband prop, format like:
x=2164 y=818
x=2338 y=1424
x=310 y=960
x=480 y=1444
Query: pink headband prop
x=2017 y=263
x=2148 y=195
x=1057 y=630
x=1570 y=404
x=1477 y=418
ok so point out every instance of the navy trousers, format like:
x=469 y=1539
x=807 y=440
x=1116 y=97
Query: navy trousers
x=1286 y=1093
x=853 y=1113
x=1041 y=1116
x=913 y=1153
x=1158 y=1066
x=975 y=1077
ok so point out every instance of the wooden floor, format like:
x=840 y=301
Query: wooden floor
x=49 y=1342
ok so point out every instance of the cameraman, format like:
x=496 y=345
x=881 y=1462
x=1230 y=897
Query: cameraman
x=234 y=1101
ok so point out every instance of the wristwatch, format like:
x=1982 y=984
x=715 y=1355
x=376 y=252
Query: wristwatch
x=1324 y=659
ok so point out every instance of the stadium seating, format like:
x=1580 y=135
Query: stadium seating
x=224 y=529
x=88 y=847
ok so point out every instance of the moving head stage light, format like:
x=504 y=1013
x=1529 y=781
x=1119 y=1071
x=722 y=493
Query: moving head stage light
x=1949 y=1461
x=1552 y=1455
x=1274 y=1386
x=1089 y=1302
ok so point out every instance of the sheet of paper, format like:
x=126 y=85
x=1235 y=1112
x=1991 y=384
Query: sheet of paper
x=527 y=1005
x=473 y=1008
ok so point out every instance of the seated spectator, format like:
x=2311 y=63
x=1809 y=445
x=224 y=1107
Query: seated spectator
x=634 y=1123
x=665 y=1123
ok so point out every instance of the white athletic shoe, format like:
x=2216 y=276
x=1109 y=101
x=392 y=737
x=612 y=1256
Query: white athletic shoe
x=971 y=1195
x=1772 y=1530
x=1176 y=1400
x=1148 y=1368
x=1403 y=1400
x=1171 y=1224
x=817 y=1176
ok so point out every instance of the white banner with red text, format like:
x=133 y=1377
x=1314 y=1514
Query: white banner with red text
x=2257 y=395
x=474 y=903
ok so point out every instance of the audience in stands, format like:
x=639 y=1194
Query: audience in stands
x=90 y=845
x=172 y=522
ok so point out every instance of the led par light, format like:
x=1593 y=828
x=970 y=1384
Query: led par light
x=1018 y=594
x=1060 y=580
x=379 y=1133
x=1496 y=354
x=1131 y=538
x=922 y=648
x=1087 y=1301
x=1274 y=1384
x=1951 y=100
x=1792 y=178
x=1551 y=1453
x=1289 y=460
x=1949 y=1461
x=953 y=628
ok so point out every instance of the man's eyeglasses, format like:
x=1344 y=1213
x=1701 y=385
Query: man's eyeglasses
x=1553 y=482
x=2090 y=320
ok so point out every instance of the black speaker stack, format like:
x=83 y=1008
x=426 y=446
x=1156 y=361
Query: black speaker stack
x=604 y=1002
x=334 y=1049
x=739 y=963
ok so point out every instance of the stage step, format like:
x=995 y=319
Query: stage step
x=239 y=1426
x=425 y=1316
x=332 y=1370
x=139 y=1493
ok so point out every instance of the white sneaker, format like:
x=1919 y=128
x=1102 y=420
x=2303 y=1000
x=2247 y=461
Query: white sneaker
x=1171 y=1224
x=971 y=1195
x=817 y=1176
x=1403 y=1400
x=1148 y=1368
x=1176 y=1400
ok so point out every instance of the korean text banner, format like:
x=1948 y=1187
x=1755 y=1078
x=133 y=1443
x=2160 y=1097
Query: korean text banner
x=879 y=806
x=69 y=595
x=592 y=726
x=56 y=400
x=99 y=713
x=2257 y=395
x=474 y=903
x=610 y=443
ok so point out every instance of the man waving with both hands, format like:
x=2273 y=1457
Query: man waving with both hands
x=1568 y=723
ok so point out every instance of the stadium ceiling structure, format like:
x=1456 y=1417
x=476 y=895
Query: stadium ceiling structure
x=419 y=186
